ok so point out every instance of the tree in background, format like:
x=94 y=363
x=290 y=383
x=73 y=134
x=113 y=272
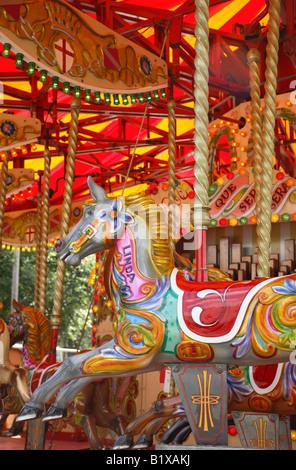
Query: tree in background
x=76 y=298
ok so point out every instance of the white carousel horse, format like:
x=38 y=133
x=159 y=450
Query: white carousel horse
x=161 y=318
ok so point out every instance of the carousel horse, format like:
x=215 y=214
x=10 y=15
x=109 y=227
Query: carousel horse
x=162 y=318
x=89 y=409
x=9 y=373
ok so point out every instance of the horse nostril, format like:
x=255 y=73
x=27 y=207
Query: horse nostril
x=58 y=245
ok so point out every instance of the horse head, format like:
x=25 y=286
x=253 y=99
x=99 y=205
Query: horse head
x=97 y=230
x=18 y=328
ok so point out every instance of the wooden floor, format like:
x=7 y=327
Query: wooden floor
x=18 y=443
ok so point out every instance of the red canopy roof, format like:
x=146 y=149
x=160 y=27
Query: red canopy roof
x=107 y=134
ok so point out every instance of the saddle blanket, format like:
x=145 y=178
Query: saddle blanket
x=213 y=312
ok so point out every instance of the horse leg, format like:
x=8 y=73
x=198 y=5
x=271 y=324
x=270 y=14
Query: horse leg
x=65 y=397
x=146 y=439
x=174 y=430
x=183 y=435
x=89 y=427
x=168 y=407
x=172 y=408
x=69 y=370
x=105 y=417
x=109 y=360
x=125 y=441
x=20 y=381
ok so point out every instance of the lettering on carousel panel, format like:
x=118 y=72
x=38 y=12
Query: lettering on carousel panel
x=237 y=198
x=226 y=194
x=280 y=195
x=75 y=47
x=246 y=206
x=128 y=265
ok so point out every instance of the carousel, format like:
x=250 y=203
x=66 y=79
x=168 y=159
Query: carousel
x=160 y=142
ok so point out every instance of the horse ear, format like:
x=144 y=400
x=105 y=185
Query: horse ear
x=16 y=305
x=97 y=193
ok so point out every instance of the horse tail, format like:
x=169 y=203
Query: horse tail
x=38 y=339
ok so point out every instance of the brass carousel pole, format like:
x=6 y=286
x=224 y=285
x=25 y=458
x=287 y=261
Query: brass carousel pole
x=201 y=123
x=269 y=110
x=56 y=316
x=253 y=57
x=171 y=170
x=171 y=182
x=44 y=234
x=3 y=191
x=37 y=255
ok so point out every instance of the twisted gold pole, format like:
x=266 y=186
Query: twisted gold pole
x=269 y=111
x=3 y=191
x=201 y=218
x=38 y=248
x=171 y=182
x=56 y=316
x=201 y=120
x=44 y=234
x=171 y=170
x=253 y=57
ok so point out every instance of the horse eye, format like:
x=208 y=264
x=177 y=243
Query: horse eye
x=89 y=211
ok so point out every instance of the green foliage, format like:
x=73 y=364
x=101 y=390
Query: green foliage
x=76 y=294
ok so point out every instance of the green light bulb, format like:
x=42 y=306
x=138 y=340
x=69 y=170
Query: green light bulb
x=31 y=68
x=133 y=99
x=55 y=83
x=156 y=95
x=87 y=95
x=6 y=49
x=19 y=60
x=243 y=220
x=141 y=98
x=43 y=76
x=66 y=88
x=124 y=99
x=163 y=93
x=116 y=99
x=77 y=92
x=149 y=96
x=98 y=98
x=107 y=98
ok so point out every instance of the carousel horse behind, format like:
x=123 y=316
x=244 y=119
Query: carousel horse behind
x=32 y=328
x=267 y=388
x=161 y=317
x=9 y=373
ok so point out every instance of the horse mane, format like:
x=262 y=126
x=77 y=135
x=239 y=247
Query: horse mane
x=146 y=208
x=39 y=333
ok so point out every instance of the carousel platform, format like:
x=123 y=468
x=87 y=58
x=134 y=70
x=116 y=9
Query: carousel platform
x=18 y=443
x=67 y=442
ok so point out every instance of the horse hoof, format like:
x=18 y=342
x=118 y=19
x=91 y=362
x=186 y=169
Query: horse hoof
x=143 y=442
x=55 y=412
x=123 y=442
x=29 y=412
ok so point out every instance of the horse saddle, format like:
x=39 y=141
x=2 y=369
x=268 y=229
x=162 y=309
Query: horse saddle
x=213 y=312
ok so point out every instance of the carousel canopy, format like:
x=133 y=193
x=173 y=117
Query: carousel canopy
x=114 y=126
